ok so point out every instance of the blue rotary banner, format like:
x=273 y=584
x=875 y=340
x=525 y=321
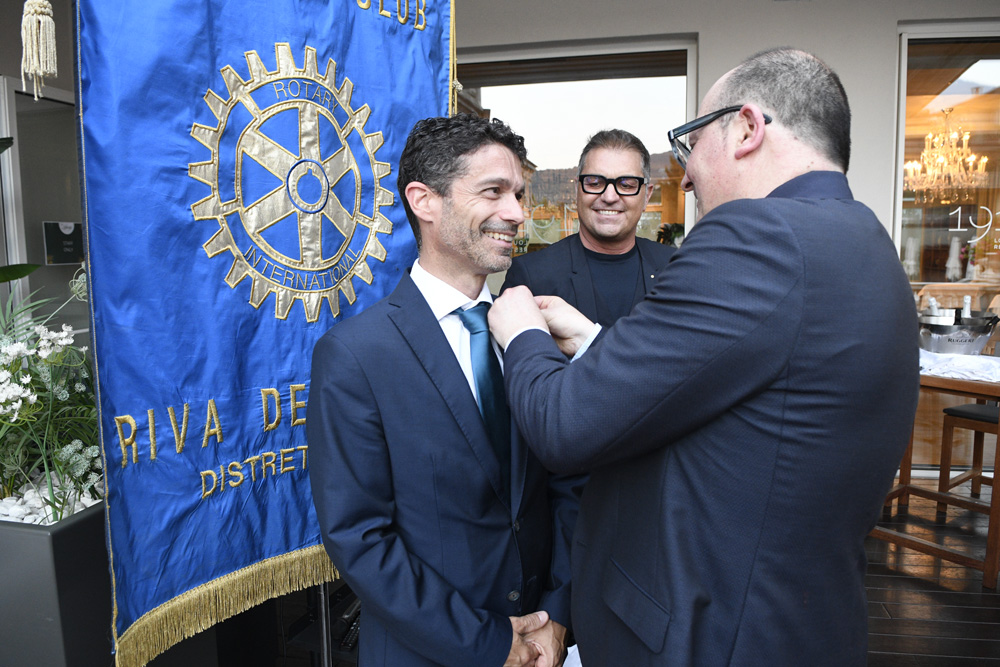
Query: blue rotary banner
x=239 y=192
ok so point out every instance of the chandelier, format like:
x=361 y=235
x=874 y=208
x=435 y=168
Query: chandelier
x=947 y=171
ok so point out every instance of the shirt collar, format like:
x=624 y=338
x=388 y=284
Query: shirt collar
x=442 y=297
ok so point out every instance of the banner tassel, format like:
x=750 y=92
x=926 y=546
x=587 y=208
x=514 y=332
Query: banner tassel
x=38 y=43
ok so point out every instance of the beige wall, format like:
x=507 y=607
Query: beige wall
x=858 y=38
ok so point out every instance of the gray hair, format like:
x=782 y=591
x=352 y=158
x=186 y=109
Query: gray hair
x=616 y=140
x=801 y=92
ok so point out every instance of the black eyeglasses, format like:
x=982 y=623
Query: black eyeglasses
x=625 y=186
x=681 y=150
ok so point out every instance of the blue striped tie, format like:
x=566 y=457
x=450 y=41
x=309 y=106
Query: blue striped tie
x=489 y=384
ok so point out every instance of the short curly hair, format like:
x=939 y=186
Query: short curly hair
x=436 y=148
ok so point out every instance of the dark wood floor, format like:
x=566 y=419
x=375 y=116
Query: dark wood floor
x=925 y=612
x=922 y=611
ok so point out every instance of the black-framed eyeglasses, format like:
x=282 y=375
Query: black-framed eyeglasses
x=681 y=150
x=625 y=186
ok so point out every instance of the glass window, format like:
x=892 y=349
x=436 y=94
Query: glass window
x=50 y=188
x=41 y=199
x=950 y=241
x=950 y=224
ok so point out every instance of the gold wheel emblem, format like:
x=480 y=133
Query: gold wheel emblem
x=295 y=184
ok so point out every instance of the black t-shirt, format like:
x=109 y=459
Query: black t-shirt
x=617 y=283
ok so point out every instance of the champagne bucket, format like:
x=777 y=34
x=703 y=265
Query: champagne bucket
x=950 y=333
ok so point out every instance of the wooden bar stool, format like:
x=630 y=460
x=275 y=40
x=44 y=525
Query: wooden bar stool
x=980 y=419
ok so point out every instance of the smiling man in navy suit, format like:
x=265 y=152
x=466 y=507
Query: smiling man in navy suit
x=431 y=506
x=743 y=424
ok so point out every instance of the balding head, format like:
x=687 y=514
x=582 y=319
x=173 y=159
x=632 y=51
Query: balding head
x=800 y=92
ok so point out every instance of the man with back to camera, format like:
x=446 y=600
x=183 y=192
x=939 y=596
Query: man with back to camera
x=743 y=425
x=431 y=506
x=604 y=270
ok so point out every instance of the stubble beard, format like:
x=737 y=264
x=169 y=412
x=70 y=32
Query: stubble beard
x=473 y=245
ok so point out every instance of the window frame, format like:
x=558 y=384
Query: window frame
x=916 y=31
x=11 y=203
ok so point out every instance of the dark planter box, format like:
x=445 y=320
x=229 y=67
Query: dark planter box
x=55 y=593
x=55 y=604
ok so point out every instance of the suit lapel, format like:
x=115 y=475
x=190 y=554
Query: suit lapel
x=646 y=266
x=416 y=323
x=583 y=285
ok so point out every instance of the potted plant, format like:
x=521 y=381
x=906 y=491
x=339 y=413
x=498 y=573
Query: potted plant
x=55 y=601
x=49 y=449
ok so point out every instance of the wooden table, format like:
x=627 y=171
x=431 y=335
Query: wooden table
x=980 y=391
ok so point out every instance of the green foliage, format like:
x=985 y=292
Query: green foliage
x=15 y=271
x=48 y=414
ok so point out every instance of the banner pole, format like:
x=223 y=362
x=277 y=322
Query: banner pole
x=326 y=655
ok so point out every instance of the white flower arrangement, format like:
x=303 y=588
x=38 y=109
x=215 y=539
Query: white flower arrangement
x=50 y=461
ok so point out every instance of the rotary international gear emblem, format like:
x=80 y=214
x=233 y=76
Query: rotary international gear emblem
x=295 y=184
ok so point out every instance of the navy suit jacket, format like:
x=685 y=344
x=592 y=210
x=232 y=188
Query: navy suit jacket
x=562 y=270
x=742 y=427
x=410 y=503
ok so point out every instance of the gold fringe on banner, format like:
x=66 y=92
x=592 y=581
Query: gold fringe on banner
x=202 y=607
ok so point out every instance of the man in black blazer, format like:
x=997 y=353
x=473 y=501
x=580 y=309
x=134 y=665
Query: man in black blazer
x=743 y=425
x=604 y=270
x=450 y=535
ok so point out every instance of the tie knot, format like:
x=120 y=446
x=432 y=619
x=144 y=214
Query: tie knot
x=474 y=318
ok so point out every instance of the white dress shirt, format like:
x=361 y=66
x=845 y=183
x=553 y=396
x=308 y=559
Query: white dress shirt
x=444 y=300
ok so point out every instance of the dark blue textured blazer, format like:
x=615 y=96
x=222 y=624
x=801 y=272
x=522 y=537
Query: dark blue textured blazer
x=561 y=270
x=409 y=499
x=741 y=428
